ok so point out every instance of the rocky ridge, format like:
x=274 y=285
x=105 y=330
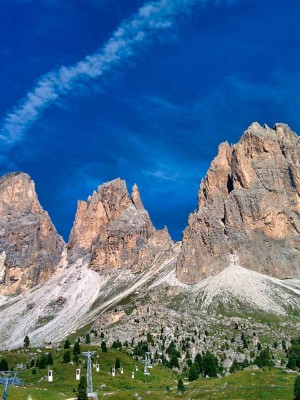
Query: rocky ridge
x=248 y=209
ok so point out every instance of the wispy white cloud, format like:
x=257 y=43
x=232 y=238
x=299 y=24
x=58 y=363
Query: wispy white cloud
x=153 y=17
x=167 y=177
x=163 y=174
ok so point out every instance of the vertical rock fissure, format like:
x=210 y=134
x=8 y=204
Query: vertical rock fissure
x=229 y=184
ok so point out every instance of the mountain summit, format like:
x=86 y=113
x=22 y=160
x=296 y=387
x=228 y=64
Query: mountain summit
x=30 y=247
x=248 y=209
x=115 y=229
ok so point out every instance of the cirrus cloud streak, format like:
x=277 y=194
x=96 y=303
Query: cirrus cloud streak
x=150 y=19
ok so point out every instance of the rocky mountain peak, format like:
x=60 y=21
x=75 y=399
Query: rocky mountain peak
x=29 y=244
x=17 y=193
x=279 y=132
x=248 y=208
x=114 y=228
x=110 y=203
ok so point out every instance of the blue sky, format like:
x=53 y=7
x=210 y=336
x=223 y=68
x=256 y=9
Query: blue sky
x=164 y=83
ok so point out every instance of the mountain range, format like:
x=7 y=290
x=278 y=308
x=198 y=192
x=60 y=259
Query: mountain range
x=239 y=252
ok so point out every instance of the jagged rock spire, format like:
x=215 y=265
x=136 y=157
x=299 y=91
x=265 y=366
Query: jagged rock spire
x=115 y=229
x=136 y=198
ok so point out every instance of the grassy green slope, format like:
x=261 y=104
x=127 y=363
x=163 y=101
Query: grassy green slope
x=268 y=384
x=161 y=384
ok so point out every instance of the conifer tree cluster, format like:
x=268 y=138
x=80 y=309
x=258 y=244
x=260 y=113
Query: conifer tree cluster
x=293 y=354
x=116 y=344
x=297 y=388
x=43 y=361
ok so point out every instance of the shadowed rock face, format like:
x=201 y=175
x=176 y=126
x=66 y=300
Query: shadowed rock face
x=30 y=247
x=248 y=208
x=116 y=230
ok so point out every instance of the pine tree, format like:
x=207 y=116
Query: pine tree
x=49 y=359
x=76 y=348
x=245 y=344
x=67 y=344
x=245 y=363
x=67 y=357
x=180 y=386
x=88 y=338
x=82 y=389
x=193 y=373
x=199 y=362
x=26 y=342
x=43 y=362
x=149 y=337
x=210 y=365
x=34 y=371
x=173 y=363
x=234 y=366
x=103 y=347
x=3 y=365
x=259 y=347
x=297 y=388
x=117 y=363
x=291 y=364
x=189 y=362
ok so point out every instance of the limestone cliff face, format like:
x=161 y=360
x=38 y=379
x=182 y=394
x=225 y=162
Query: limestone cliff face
x=248 y=208
x=30 y=247
x=116 y=230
